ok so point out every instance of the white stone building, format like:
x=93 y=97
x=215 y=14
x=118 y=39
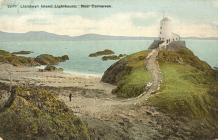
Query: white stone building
x=166 y=35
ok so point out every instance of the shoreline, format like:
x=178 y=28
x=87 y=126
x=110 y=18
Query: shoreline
x=75 y=73
x=86 y=75
x=32 y=76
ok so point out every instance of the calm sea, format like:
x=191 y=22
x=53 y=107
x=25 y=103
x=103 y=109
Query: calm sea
x=78 y=51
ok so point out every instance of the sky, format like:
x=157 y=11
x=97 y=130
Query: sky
x=197 y=18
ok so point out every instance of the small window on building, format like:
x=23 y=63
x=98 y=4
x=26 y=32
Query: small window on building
x=160 y=32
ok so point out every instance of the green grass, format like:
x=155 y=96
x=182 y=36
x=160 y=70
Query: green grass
x=37 y=114
x=184 y=56
x=4 y=53
x=188 y=88
x=132 y=84
x=188 y=96
x=184 y=91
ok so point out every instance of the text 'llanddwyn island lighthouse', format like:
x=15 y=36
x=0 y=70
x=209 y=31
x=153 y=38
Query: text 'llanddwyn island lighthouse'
x=166 y=36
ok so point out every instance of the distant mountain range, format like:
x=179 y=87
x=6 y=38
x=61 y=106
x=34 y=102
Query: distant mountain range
x=43 y=36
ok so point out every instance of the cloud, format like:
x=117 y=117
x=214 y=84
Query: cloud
x=192 y=28
x=116 y=24
x=215 y=3
x=2 y=2
x=200 y=30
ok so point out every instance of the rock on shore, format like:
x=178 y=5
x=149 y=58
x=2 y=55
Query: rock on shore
x=100 y=53
x=46 y=59
x=22 y=52
x=43 y=59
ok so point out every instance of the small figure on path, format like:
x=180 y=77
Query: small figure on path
x=70 y=97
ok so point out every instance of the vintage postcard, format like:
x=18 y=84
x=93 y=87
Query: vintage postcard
x=108 y=70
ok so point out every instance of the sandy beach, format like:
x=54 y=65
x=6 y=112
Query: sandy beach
x=89 y=94
x=32 y=76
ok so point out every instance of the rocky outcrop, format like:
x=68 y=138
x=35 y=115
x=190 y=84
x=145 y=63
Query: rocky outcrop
x=9 y=99
x=52 y=68
x=64 y=58
x=46 y=59
x=7 y=57
x=107 y=55
x=43 y=59
x=100 y=53
x=22 y=52
x=110 y=57
x=113 y=74
x=4 y=96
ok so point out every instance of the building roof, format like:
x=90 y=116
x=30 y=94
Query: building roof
x=176 y=34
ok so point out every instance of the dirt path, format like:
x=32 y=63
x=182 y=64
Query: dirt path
x=114 y=118
x=153 y=67
x=98 y=107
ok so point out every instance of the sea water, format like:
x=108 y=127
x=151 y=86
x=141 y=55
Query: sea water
x=78 y=51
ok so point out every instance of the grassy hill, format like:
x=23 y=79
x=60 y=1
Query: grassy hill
x=129 y=74
x=188 y=96
x=189 y=93
x=188 y=86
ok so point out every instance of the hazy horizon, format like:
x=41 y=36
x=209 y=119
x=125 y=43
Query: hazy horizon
x=104 y=35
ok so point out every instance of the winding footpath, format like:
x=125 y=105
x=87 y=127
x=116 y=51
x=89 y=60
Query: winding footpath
x=100 y=106
x=153 y=67
x=153 y=86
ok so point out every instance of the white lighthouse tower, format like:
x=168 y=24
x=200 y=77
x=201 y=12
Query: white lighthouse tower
x=166 y=35
x=165 y=29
